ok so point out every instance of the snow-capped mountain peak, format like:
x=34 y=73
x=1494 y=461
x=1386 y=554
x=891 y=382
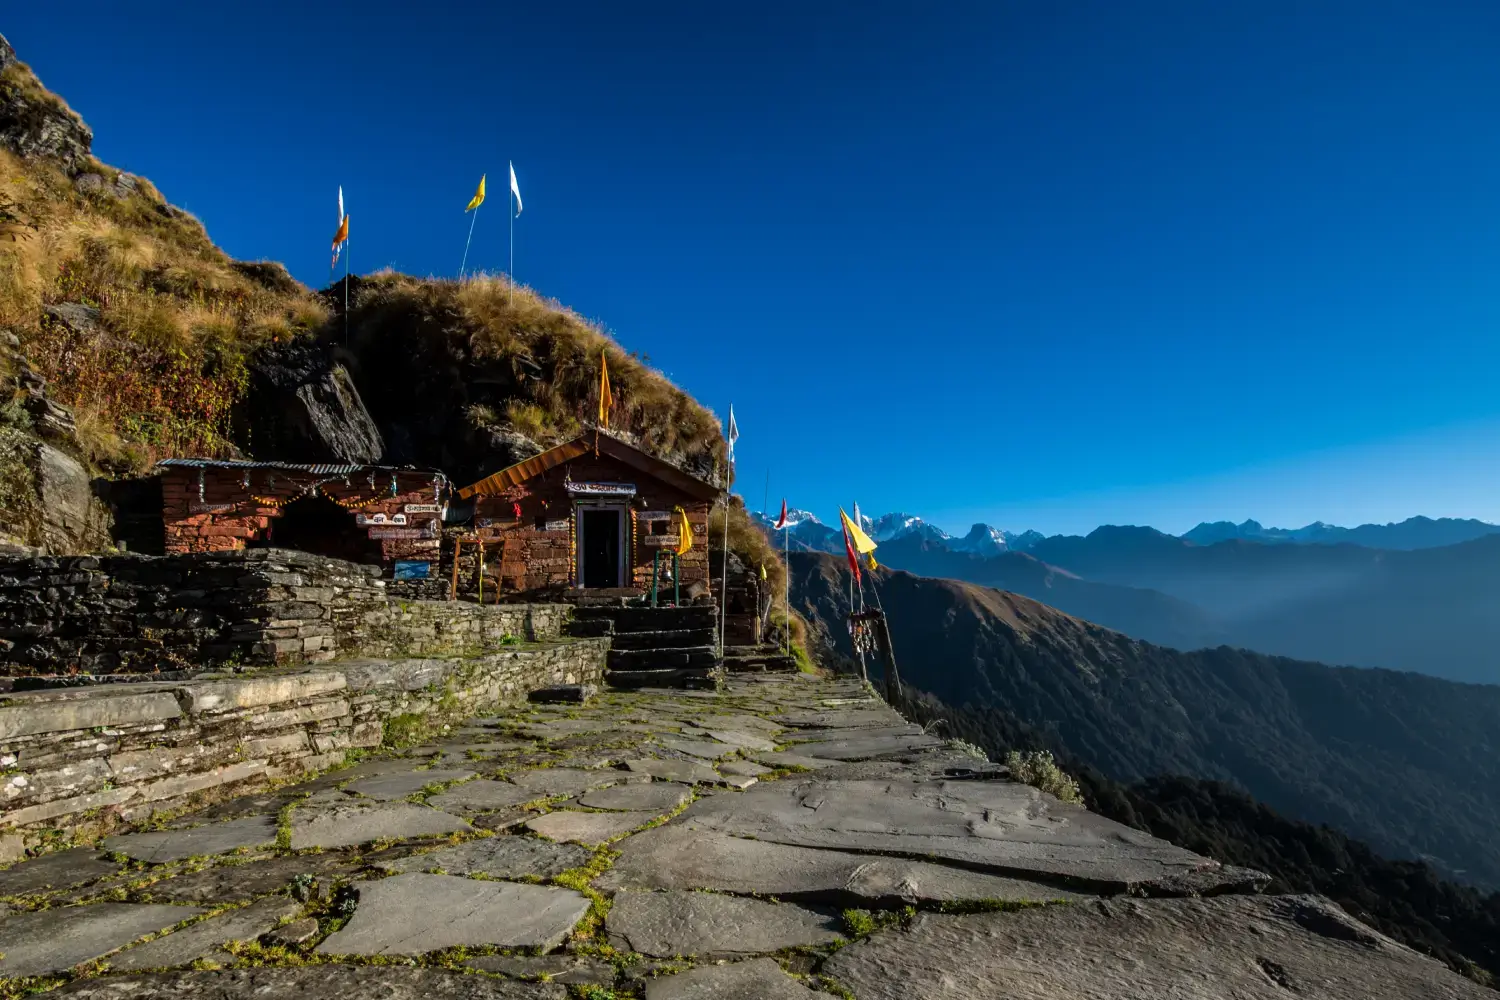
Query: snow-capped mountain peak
x=891 y=526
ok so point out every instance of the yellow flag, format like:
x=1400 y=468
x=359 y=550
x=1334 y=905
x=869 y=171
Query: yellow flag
x=606 y=398
x=762 y=571
x=684 y=532
x=478 y=198
x=862 y=542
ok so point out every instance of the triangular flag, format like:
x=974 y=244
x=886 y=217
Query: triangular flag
x=606 y=398
x=340 y=238
x=862 y=541
x=733 y=433
x=515 y=188
x=341 y=203
x=781 y=521
x=478 y=198
x=762 y=571
x=684 y=532
x=849 y=553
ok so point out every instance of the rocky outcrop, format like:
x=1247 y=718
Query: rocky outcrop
x=304 y=407
x=34 y=123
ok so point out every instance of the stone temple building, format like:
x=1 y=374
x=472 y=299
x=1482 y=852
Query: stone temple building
x=594 y=515
x=362 y=513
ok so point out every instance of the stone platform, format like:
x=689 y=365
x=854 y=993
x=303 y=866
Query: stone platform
x=784 y=837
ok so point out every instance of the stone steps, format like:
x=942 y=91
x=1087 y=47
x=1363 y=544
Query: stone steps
x=666 y=639
x=643 y=619
x=772 y=662
x=655 y=659
x=680 y=677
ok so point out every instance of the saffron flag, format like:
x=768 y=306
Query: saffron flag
x=684 y=532
x=781 y=521
x=606 y=398
x=849 y=553
x=478 y=198
x=515 y=188
x=863 y=542
x=342 y=235
x=762 y=571
x=340 y=238
x=733 y=433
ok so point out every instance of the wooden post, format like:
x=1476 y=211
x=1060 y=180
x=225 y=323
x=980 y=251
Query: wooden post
x=480 y=569
x=888 y=654
x=457 y=547
x=676 y=580
x=655 y=564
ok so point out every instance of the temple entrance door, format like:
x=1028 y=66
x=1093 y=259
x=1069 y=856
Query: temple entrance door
x=601 y=546
x=318 y=525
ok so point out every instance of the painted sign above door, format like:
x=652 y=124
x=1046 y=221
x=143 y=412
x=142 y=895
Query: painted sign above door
x=660 y=541
x=602 y=489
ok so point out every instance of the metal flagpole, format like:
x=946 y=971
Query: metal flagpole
x=786 y=542
x=346 y=291
x=509 y=194
x=465 y=264
x=724 y=586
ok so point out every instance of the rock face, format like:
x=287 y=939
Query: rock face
x=73 y=519
x=1241 y=946
x=304 y=407
x=33 y=123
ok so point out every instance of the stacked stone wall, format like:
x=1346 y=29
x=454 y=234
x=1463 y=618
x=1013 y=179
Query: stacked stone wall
x=93 y=615
x=85 y=758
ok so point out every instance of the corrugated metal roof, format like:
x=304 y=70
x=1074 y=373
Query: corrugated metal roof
x=319 y=469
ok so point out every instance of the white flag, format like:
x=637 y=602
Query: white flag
x=734 y=432
x=515 y=188
x=341 y=204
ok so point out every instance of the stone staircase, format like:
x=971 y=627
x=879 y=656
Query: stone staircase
x=656 y=647
x=762 y=659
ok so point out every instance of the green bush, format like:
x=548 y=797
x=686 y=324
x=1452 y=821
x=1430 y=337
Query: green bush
x=1037 y=769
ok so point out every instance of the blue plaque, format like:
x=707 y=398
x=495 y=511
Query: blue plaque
x=413 y=570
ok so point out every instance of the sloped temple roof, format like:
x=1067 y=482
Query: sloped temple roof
x=534 y=466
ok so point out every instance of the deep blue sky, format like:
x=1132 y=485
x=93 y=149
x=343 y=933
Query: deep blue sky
x=1048 y=265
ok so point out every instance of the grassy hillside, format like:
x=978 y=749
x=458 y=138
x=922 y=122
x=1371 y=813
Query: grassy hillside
x=1408 y=763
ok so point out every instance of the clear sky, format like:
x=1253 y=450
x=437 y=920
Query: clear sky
x=1048 y=265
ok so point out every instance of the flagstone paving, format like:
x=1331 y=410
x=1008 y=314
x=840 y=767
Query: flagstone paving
x=671 y=845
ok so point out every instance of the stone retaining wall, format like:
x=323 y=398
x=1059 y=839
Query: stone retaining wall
x=81 y=759
x=134 y=613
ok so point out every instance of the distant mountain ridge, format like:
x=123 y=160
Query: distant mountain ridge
x=1417 y=532
x=1412 y=533
x=1428 y=609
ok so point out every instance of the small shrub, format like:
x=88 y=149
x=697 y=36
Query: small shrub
x=1037 y=769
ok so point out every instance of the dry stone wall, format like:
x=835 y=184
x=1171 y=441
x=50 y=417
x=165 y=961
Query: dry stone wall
x=82 y=759
x=98 y=615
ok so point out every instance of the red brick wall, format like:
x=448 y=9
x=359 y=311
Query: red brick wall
x=527 y=557
x=227 y=514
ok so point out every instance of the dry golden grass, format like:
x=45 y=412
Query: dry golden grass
x=170 y=305
x=513 y=330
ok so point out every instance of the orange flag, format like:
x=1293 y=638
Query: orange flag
x=606 y=398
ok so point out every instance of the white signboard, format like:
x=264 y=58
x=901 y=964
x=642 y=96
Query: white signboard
x=423 y=508
x=602 y=489
x=660 y=541
x=365 y=519
x=654 y=515
x=556 y=526
x=210 y=508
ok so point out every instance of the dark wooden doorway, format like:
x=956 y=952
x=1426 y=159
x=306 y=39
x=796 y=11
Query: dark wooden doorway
x=318 y=525
x=600 y=545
